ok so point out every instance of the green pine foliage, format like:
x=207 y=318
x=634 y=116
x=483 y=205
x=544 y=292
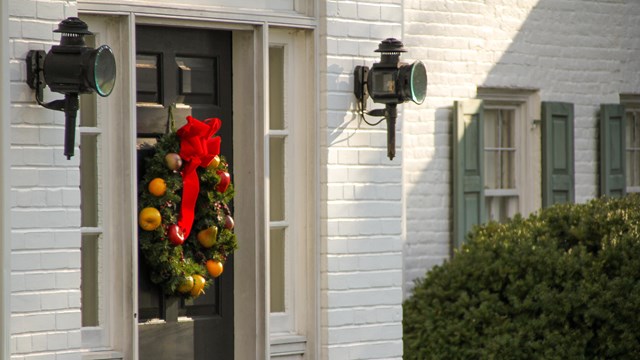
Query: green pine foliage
x=561 y=284
x=168 y=264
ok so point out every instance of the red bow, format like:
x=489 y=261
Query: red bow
x=197 y=148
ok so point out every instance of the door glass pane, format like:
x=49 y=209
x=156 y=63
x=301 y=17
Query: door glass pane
x=276 y=179
x=276 y=88
x=197 y=76
x=89 y=279
x=148 y=78
x=277 y=270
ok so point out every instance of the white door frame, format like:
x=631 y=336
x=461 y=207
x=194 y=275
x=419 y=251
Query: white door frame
x=250 y=83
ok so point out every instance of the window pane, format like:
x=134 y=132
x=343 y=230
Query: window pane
x=276 y=178
x=499 y=169
x=501 y=208
x=507 y=174
x=491 y=128
x=277 y=267
x=633 y=149
x=276 y=88
x=89 y=179
x=88 y=113
x=499 y=154
x=89 y=278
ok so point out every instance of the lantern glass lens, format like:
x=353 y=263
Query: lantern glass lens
x=418 y=82
x=104 y=70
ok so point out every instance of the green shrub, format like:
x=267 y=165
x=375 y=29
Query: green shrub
x=561 y=284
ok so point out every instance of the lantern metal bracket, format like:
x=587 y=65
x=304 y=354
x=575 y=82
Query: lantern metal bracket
x=35 y=79
x=360 y=74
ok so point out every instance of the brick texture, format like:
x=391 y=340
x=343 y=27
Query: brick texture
x=362 y=210
x=45 y=213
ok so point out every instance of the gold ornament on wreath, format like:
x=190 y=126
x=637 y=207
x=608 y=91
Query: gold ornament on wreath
x=186 y=226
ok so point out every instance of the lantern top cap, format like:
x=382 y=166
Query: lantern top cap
x=391 y=45
x=73 y=25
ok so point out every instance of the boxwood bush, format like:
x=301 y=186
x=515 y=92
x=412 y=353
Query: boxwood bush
x=563 y=283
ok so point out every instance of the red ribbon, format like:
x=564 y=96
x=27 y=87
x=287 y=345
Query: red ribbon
x=197 y=149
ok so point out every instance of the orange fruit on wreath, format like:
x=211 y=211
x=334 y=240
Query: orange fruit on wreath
x=214 y=268
x=157 y=187
x=198 y=285
x=149 y=218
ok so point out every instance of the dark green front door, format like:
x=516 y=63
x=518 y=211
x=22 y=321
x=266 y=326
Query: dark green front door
x=190 y=68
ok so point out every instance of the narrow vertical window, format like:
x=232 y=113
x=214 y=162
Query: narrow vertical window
x=90 y=228
x=91 y=224
x=289 y=148
x=501 y=192
x=633 y=150
x=90 y=209
x=278 y=136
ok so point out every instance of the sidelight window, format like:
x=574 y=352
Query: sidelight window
x=289 y=184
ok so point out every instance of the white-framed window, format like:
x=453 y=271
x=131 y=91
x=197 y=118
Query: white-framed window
x=106 y=203
x=94 y=322
x=632 y=142
x=512 y=161
x=288 y=170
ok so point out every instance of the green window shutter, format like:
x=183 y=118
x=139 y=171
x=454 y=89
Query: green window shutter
x=612 y=150
x=557 y=153
x=468 y=159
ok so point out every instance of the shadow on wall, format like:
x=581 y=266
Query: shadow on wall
x=583 y=52
x=343 y=124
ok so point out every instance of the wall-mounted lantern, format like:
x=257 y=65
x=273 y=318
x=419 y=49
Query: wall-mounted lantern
x=389 y=82
x=71 y=68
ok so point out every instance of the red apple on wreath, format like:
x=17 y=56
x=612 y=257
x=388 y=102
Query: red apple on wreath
x=175 y=234
x=225 y=180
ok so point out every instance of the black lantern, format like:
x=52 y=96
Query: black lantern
x=71 y=68
x=389 y=82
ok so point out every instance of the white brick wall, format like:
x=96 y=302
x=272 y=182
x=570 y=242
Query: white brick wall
x=45 y=213
x=362 y=214
x=584 y=52
x=383 y=223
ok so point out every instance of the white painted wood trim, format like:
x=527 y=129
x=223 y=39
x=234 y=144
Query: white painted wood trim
x=250 y=281
x=255 y=17
x=314 y=339
x=131 y=348
x=118 y=274
x=264 y=75
x=288 y=345
x=5 y=183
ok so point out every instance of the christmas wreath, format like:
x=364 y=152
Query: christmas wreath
x=186 y=229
